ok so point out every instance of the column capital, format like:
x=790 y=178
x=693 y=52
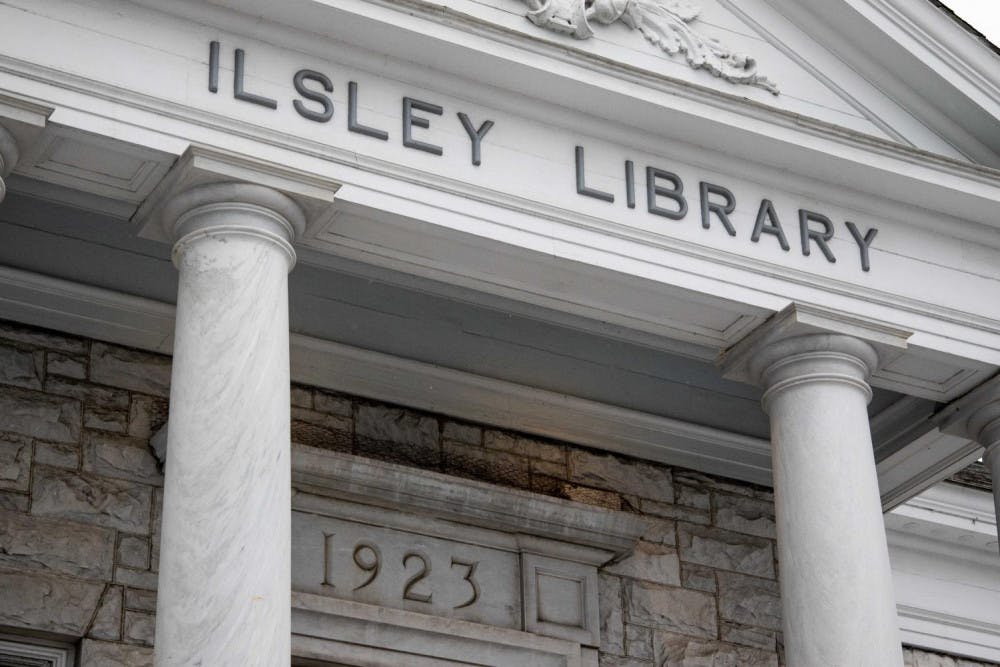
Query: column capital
x=804 y=333
x=815 y=357
x=9 y=155
x=204 y=177
x=233 y=208
x=975 y=416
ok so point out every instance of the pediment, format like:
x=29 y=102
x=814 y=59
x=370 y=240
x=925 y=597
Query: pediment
x=777 y=53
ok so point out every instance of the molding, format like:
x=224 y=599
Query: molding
x=740 y=362
x=348 y=477
x=943 y=546
x=200 y=166
x=63 y=156
x=334 y=630
x=21 y=652
x=925 y=461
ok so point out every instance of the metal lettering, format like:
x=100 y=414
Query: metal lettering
x=581 y=186
x=410 y=121
x=238 y=86
x=475 y=136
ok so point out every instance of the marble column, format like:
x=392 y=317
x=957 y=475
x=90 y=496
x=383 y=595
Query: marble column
x=8 y=158
x=224 y=583
x=836 y=582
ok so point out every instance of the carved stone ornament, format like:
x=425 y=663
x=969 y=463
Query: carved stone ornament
x=663 y=22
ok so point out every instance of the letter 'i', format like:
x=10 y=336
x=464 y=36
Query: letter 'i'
x=213 y=67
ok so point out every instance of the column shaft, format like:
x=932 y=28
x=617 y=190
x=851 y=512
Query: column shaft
x=224 y=586
x=836 y=580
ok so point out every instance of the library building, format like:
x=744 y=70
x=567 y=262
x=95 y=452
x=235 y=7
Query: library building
x=498 y=333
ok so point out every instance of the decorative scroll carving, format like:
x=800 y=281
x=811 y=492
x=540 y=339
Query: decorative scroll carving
x=664 y=23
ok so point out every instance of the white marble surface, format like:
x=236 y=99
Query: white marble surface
x=836 y=581
x=225 y=554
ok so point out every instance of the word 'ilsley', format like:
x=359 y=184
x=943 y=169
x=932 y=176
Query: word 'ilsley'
x=313 y=86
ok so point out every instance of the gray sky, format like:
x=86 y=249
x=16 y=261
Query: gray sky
x=983 y=15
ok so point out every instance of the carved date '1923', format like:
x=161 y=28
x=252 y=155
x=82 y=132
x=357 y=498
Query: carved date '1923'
x=368 y=558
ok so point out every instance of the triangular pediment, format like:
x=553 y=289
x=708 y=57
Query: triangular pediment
x=842 y=63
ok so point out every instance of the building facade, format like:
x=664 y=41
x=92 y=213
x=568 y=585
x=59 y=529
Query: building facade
x=512 y=333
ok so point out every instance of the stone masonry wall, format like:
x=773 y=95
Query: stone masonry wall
x=80 y=492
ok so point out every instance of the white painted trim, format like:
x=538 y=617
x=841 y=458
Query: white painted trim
x=943 y=545
x=340 y=630
x=55 y=655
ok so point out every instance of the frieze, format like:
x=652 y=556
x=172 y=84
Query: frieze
x=664 y=23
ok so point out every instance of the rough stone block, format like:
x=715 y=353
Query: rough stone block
x=39 y=415
x=47 y=603
x=679 y=651
x=650 y=562
x=697 y=577
x=65 y=365
x=597 y=497
x=14 y=502
x=302 y=397
x=697 y=479
x=33 y=543
x=15 y=463
x=746 y=635
x=147 y=414
x=139 y=628
x=749 y=600
x=639 y=642
x=696 y=497
x=106 y=654
x=470 y=435
x=61 y=454
x=108 y=621
x=333 y=405
x=520 y=446
x=133 y=551
x=619 y=661
x=661 y=531
x=553 y=469
x=120 y=457
x=675 y=609
x=130 y=369
x=314 y=436
x=22 y=368
x=725 y=550
x=42 y=338
x=136 y=578
x=140 y=600
x=679 y=512
x=397 y=435
x=609 y=602
x=104 y=419
x=88 y=394
x=607 y=471
x=745 y=515
x=486 y=465
x=323 y=420
x=106 y=502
